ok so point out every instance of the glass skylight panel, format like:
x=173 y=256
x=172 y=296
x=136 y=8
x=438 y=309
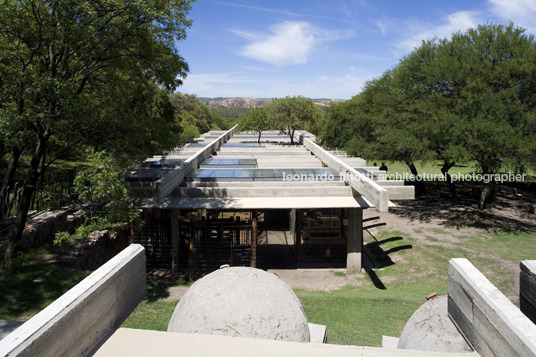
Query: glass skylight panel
x=253 y=174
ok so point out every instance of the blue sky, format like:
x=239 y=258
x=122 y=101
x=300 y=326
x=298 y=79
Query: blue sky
x=320 y=49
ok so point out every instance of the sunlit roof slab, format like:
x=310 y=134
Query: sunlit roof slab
x=262 y=203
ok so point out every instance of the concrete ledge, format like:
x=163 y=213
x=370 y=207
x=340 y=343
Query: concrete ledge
x=390 y=342
x=165 y=186
x=527 y=289
x=133 y=343
x=318 y=333
x=78 y=320
x=364 y=186
x=285 y=184
x=488 y=320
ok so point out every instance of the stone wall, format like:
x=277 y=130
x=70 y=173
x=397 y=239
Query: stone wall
x=43 y=227
x=92 y=252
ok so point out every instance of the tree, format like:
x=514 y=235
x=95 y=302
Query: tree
x=190 y=110
x=63 y=65
x=256 y=121
x=476 y=91
x=470 y=97
x=293 y=113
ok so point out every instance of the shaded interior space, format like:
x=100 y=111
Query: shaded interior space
x=207 y=239
x=292 y=239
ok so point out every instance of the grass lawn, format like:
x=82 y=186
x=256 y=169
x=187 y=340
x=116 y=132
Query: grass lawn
x=387 y=296
x=38 y=283
x=408 y=267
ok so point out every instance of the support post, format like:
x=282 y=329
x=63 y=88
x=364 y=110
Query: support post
x=298 y=235
x=254 y=239
x=174 y=240
x=354 y=240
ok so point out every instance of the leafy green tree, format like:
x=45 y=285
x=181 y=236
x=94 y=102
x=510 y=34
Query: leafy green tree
x=294 y=113
x=190 y=110
x=476 y=92
x=63 y=65
x=256 y=121
x=469 y=97
x=103 y=185
x=189 y=132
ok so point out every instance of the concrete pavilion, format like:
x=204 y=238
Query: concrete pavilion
x=206 y=197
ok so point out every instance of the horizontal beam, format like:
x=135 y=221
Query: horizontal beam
x=226 y=203
x=278 y=184
x=373 y=192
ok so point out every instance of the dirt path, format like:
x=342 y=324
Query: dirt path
x=317 y=279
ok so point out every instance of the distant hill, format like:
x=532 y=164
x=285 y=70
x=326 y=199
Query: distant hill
x=242 y=102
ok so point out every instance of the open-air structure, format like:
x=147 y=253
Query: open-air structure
x=191 y=196
x=203 y=201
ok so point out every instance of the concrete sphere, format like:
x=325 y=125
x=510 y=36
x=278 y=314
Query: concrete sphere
x=241 y=301
x=430 y=329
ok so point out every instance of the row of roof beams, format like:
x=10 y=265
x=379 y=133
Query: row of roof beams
x=352 y=189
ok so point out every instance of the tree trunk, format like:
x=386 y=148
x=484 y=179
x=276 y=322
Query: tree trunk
x=259 y=139
x=25 y=199
x=488 y=193
x=419 y=186
x=290 y=133
x=445 y=170
x=7 y=183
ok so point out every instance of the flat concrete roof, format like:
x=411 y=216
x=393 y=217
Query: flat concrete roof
x=269 y=157
x=261 y=203
x=134 y=343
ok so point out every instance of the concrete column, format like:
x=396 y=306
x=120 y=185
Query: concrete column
x=354 y=240
x=298 y=235
x=174 y=240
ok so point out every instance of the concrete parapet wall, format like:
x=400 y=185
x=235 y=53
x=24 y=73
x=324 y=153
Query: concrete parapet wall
x=165 y=187
x=488 y=320
x=373 y=192
x=527 y=289
x=76 y=322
